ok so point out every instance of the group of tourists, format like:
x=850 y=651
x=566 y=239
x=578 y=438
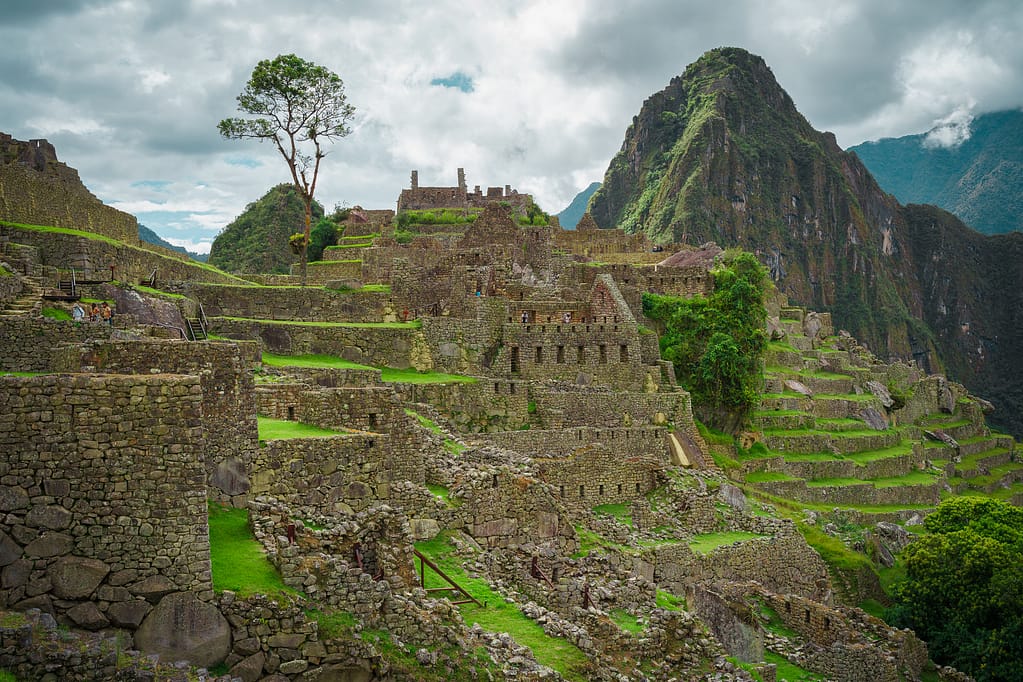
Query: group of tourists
x=95 y=312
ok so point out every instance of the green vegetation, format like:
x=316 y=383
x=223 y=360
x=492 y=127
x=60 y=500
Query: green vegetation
x=160 y=294
x=388 y=374
x=415 y=324
x=439 y=216
x=790 y=672
x=332 y=624
x=626 y=621
x=238 y=561
x=257 y=240
x=963 y=592
x=56 y=313
x=281 y=429
x=708 y=542
x=7 y=676
x=499 y=616
x=666 y=600
x=716 y=343
x=622 y=512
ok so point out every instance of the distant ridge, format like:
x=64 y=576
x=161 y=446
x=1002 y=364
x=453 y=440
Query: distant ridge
x=569 y=217
x=980 y=179
x=150 y=237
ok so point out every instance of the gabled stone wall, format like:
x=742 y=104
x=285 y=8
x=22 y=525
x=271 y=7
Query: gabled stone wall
x=600 y=474
x=291 y=303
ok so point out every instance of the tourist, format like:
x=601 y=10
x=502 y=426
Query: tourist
x=566 y=318
x=77 y=313
x=94 y=313
x=525 y=317
x=107 y=314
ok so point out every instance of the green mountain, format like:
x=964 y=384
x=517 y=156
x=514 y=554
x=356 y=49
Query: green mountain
x=722 y=154
x=569 y=217
x=257 y=240
x=150 y=237
x=979 y=179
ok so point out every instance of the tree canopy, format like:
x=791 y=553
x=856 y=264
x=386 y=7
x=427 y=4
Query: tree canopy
x=716 y=343
x=963 y=592
x=298 y=106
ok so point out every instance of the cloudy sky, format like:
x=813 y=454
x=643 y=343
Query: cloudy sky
x=535 y=93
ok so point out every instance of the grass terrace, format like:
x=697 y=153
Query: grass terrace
x=282 y=429
x=387 y=374
x=497 y=615
x=238 y=561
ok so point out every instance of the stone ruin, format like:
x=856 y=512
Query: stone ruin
x=118 y=447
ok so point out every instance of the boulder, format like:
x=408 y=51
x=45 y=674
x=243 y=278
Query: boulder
x=49 y=544
x=12 y=497
x=230 y=477
x=250 y=668
x=88 y=616
x=10 y=551
x=15 y=574
x=734 y=497
x=812 y=324
x=893 y=535
x=183 y=628
x=51 y=516
x=881 y=392
x=76 y=577
x=798 y=387
x=153 y=588
x=128 y=614
x=775 y=331
x=874 y=418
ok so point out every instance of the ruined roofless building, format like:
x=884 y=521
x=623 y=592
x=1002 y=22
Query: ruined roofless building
x=419 y=198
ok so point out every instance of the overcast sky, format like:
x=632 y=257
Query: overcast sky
x=534 y=94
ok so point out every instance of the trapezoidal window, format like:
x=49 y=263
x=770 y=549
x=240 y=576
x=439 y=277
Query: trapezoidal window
x=603 y=354
x=539 y=355
x=515 y=359
x=561 y=355
x=623 y=352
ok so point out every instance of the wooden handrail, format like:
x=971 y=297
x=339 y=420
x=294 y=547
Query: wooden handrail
x=423 y=563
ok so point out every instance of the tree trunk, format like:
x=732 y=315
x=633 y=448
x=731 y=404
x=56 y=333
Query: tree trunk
x=308 y=236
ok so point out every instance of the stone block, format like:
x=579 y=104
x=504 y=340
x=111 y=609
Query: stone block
x=53 y=517
x=128 y=614
x=10 y=551
x=77 y=577
x=88 y=616
x=249 y=669
x=183 y=628
x=49 y=545
x=153 y=588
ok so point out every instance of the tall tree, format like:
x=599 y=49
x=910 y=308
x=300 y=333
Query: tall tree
x=299 y=106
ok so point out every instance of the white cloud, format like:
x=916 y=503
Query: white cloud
x=126 y=99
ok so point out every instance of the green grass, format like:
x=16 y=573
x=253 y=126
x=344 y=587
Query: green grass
x=768 y=477
x=238 y=561
x=282 y=429
x=622 y=512
x=22 y=374
x=332 y=624
x=56 y=314
x=425 y=422
x=7 y=676
x=668 y=601
x=911 y=478
x=414 y=376
x=790 y=672
x=387 y=374
x=156 y=292
x=500 y=616
x=626 y=621
x=705 y=543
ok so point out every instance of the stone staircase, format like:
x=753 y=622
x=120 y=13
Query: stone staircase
x=29 y=301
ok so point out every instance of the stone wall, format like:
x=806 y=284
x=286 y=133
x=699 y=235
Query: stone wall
x=324 y=476
x=54 y=195
x=288 y=303
x=32 y=344
x=321 y=272
x=230 y=432
x=92 y=257
x=378 y=346
x=637 y=441
x=486 y=405
x=103 y=493
x=782 y=563
x=562 y=408
x=600 y=474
